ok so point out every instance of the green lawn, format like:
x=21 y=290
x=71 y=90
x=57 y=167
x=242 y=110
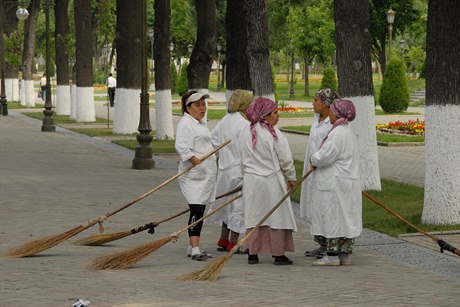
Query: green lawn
x=62 y=119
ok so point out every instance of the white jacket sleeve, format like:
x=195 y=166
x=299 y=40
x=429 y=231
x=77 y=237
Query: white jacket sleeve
x=285 y=157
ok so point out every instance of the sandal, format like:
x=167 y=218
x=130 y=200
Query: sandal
x=222 y=245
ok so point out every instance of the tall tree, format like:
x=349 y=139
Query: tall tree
x=442 y=155
x=129 y=78
x=162 y=56
x=27 y=85
x=85 y=110
x=199 y=69
x=237 y=71
x=11 y=42
x=61 y=34
x=355 y=81
x=257 y=50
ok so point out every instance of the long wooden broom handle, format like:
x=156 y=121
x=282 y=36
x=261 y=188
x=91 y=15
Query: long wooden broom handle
x=177 y=233
x=167 y=181
x=441 y=243
x=289 y=193
x=185 y=211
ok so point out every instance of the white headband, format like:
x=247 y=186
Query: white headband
x=195 y=97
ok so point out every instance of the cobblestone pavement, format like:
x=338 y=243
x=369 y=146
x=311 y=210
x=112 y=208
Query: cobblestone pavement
x=51 y=182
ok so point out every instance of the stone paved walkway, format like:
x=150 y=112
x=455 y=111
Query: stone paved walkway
x=51 y=182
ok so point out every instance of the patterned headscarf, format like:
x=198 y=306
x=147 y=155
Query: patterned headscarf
x=239 y=101
x=345 y=112
x=327 y=96
x=256 y=113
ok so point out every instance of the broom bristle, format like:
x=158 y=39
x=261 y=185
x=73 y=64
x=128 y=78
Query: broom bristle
x=39 y=245
x=125 y=259
x=210 y=272
x=97 y=240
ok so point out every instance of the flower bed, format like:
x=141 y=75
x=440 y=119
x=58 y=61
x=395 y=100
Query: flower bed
x=411 y=127
x=291 y=109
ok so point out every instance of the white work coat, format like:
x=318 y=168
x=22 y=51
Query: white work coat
x=265 y=171
x=336 y=186
x=318 y=132
x=193 y=138
x=229 y=173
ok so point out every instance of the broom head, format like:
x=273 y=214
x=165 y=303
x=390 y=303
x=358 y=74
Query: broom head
x=97 y=240
x=39 y=245
x=210 y=272
x=125 y=259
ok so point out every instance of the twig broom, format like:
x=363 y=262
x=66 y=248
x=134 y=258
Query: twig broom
x=101 y=239
x=125 y=259
x=39 y=245
x=442 y=244
x=212 y=270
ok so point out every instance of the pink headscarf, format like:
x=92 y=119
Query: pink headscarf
x=256 y=113
x=345 y=112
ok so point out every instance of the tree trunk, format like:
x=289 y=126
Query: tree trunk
x=85 y=110
x=354 y=70
x=237 y=68
x=258 y=48
x=162 y=58
x=11 y=69
x=129 y=76
x=199 y=69
x=442 y=169
x=28 y=94
x=306 y=76
x=62 y=57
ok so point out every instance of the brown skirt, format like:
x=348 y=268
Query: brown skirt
x=272 y=241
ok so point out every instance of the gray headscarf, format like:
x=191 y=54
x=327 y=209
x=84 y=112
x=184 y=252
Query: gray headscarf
x=327 y=96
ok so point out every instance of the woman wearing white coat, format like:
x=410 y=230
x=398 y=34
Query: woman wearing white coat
x=193 y=141
x=319 y=129
x=229 y=174
x=268 y=171
x=336 y=188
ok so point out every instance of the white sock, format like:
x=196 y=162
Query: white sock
x=196 y=251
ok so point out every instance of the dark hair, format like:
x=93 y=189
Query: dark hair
x=110 y=74
x=184 y=99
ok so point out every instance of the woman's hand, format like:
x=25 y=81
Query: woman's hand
x=195 y=160
x=291 y=184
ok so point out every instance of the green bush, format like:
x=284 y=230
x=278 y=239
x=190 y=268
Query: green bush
x=329 y=80
x=394 y=93
x=182 y=83
x=173 y=78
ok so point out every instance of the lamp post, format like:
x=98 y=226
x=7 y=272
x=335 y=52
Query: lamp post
x=21 y=14
x=143 y=154
x=48 y=120
x=390 y=19
x=219 y=48
x=402 y=46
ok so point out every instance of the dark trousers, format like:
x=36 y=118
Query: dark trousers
x=196 y=213
x=111 y=92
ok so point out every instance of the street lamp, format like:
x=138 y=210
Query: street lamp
x=143 y=154
x=390 y=19
x=21 y=14
x=219 y=48
x=48 y=120
x=402 y=46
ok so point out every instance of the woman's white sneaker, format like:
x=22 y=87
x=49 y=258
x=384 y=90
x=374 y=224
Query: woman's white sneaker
x=327 y=261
